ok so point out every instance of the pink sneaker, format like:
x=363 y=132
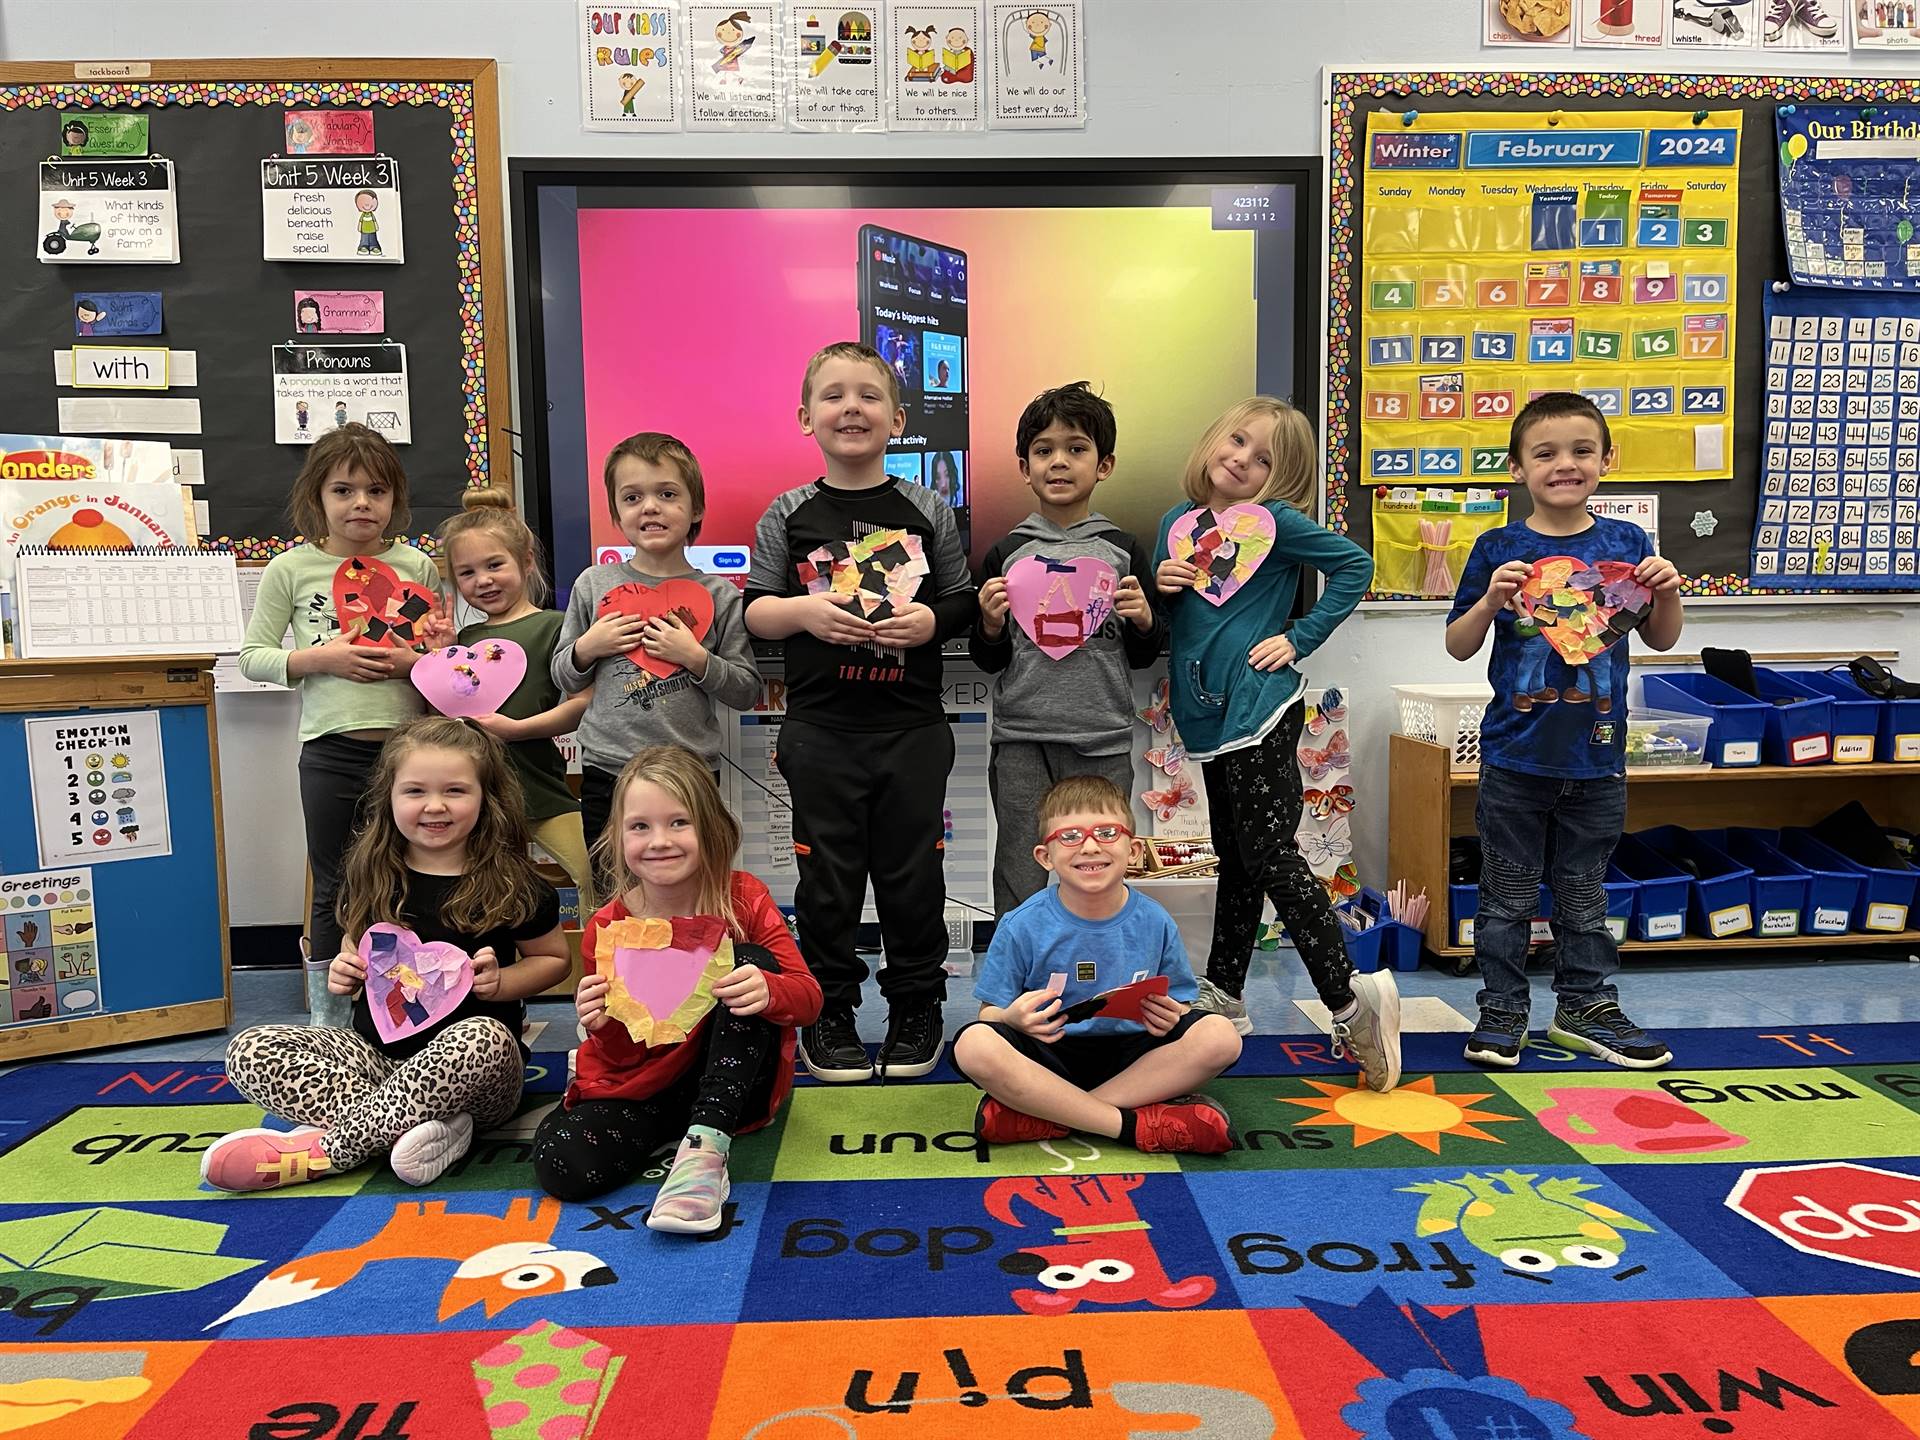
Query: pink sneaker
x=265 y=1159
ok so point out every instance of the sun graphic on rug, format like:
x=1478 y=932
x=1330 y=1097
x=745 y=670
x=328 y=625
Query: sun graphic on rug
x=1416 y=1112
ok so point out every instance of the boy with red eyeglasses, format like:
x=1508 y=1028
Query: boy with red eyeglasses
x=1046 y=1070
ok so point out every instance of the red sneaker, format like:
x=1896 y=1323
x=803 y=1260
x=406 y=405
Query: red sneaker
x=1191 y=1124
x=265 y=1159
x=999 y=1124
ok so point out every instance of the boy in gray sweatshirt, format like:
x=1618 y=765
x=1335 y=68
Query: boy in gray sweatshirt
x=1071 y=715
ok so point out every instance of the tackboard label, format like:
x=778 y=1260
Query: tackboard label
x=1775 y=923
x=107 y=212
x=1886 y=917
x=1663 y=927
x=317 y=388
x=1853 y=749
x=1808 y=747
x=1740 y=752
x=1829 y=922
x=1730 y=921
x=332 y=208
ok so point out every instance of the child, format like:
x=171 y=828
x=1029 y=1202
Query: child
x=1552 y=756
x=865 y=746
x=495 y=563
x=1127 y=1080
x=657 y=497
x=1238 y=702
x=443 y=853
x=1064 y=443
x=673 y=852
x=349 y=494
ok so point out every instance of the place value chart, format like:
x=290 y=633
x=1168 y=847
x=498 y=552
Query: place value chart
x=1510 y=255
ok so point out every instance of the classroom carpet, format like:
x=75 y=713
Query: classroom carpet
x=1728 y=1247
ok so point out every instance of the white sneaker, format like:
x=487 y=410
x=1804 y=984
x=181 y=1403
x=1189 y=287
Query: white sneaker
x=423 y=1154
x=1212 y=1000
x=1371 y=1035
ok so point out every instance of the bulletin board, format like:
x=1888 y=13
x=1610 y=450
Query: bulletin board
x=216 y=121
x=1707 y=290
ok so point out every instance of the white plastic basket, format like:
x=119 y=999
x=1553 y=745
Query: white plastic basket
x=1447 y=715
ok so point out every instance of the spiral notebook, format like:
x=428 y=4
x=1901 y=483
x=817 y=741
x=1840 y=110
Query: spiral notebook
x=75 y=603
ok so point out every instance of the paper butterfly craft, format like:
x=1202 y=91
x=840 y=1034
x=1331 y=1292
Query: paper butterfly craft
x=882 y=571
x=1226 y=546
x=1060 y=604
x=688 y=601
x=1320 y=763
x=1168 y=757
x=1178 y=795
x=661 y=973
x=1581 y=609
x=1158 y=716
x=546 y=1381
x=412 y=983
x=377 y=606
x=1331 y=710
x=1343 y=882
x=1326 y=849
x=1324 y=804
x=463 y=680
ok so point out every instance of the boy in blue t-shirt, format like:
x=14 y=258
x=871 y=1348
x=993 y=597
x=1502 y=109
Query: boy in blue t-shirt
x=1553 y=790
x=1125 y=1079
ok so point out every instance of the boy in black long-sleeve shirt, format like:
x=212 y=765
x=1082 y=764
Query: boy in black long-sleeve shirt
x=865 y=747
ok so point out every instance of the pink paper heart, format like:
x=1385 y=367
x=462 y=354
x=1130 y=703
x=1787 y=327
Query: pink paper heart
x=412 y=983
x=661 y=973
x=464 y=680
x=1060 y=603
x=1226 y=546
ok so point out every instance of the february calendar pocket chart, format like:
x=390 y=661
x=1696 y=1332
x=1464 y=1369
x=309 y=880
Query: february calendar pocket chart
x=1508 y=256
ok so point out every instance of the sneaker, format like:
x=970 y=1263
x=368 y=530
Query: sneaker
x=831 y=1049
x=265 y=1159
x=692 y=1198
x=1370 y=1037
x=999 y=1124
x=1498 y=1039
x=1186 y=1124
x=915 y=1038
x=1813 y=18
x=1779 y=12
x=1602 y=1027
x=1212 y=1000
x=423 y=1154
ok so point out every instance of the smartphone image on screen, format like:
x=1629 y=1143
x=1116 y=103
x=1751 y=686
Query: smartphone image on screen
x=913 y=310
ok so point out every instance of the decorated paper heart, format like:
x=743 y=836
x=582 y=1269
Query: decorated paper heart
x=1060 y=603
x=687 y=600
x=1226 y=546
x=661 y=973
x=378 y=606
x=470 y=679
x=882 y=571
x=412 y=983
x=1580 y=608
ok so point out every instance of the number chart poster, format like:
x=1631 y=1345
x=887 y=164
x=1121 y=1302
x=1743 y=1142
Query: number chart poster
x=1510 y=255
x=49 y=955
x=99 y=787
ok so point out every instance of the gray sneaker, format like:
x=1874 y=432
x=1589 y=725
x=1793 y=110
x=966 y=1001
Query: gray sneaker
x=1212 y=1000
x=1371 y=1036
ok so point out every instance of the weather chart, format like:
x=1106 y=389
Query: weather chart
x=1510 y=255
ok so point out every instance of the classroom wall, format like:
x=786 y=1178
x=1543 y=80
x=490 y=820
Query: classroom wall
x=1202 y=78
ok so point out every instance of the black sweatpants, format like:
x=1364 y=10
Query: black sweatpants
x=1253 y=797
x=596 y=803
x=334 y=771
x=870 y=805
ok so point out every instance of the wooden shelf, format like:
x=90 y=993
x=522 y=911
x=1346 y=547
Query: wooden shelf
x=1694 y=945
x=1470 y=779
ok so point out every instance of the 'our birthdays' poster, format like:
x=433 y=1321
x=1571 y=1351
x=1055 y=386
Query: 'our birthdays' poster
x=1510 y=255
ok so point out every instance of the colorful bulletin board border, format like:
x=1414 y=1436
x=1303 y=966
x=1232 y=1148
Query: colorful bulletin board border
x=465 y=89
x=1345 y=178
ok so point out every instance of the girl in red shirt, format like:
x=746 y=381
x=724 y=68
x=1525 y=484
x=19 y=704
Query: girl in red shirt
x=670 y=850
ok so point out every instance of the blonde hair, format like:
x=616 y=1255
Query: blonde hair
x=1083 y=795
x=685 y=777
x=654 y=447
x=490 y=512
x=356 y=447
x=850 y=350
x=499 y=886
x=1295 y=469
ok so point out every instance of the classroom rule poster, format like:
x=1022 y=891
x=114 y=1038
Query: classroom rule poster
x=1039 y=79
x=316 y=208
x=934 y=57
x=630 y=71
x=99 y=786
x=49 y=947
x=732 y=59
x=1507 y=255
x=835 y=67
x=107 y=212
x=317 y=388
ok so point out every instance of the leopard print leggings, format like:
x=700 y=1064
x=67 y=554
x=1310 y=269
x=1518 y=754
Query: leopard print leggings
x=317 y=1075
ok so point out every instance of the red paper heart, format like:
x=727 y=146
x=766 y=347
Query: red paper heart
x=377 y=606
x=687 y=599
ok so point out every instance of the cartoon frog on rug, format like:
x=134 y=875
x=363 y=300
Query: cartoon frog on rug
x=1531 y=1229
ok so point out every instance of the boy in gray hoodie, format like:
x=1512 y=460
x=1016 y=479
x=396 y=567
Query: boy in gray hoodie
x=1071 y=715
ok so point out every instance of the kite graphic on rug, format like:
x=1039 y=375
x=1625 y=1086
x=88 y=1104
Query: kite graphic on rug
x=661 y=973
x=546 y=1381
x=113 y=1253
x=1579 y=611
x=882 y=571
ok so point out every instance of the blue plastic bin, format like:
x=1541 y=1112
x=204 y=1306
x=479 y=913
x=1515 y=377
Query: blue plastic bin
x=1739 y=721
x=1719 y=888
x=1799 y=721
x=1898 y=739
x=1385 y=942
x=1780 y=886
x=1888 y=895
x=1660 y=895
x=1620 y=892
x=1858 y=718
x=1836 y=891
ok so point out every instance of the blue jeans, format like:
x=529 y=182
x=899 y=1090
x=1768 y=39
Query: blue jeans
x=1528 y=823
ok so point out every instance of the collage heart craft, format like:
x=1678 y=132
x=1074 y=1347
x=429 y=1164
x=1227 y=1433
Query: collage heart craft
x=412 y=983
x=466 y=680
x=661 y=973
x=1060 y=604
x=687 y=600
x=377 y=606
x=1225 y=546
x=882 y=571
x=1580 y=608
